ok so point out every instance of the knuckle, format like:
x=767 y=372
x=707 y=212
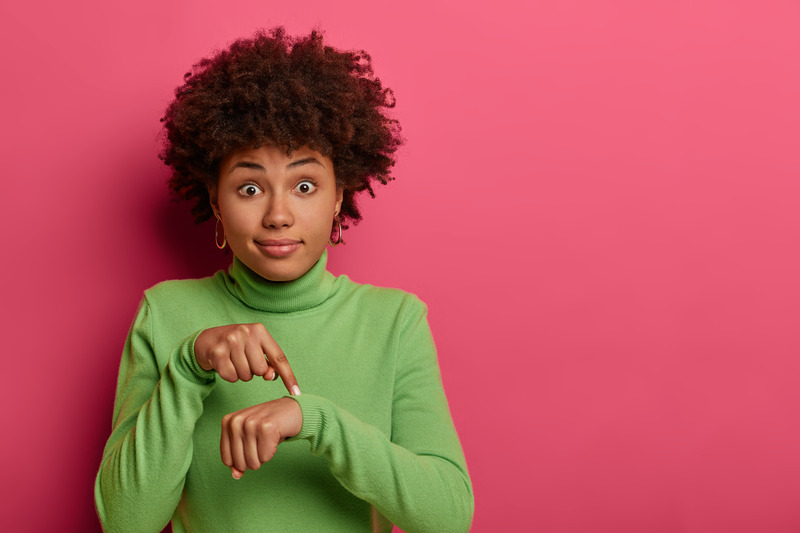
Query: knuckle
x=232 y=338
x=251 y=425
x=266 y=427
x=278 y=358
x=218 y=351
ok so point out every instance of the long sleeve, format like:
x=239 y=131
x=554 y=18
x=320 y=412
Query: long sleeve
x=147 y=456
x=382 y=444
x=416 y=477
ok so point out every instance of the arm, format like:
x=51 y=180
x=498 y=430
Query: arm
x=417 y=479
x=147 y=456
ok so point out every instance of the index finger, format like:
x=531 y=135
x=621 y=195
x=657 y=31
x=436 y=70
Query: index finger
x=277 y=360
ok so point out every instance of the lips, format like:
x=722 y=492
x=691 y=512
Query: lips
x=278 y=247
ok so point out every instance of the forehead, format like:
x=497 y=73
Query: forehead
x=274 y=158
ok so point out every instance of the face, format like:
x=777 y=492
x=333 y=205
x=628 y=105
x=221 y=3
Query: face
x=277 y=210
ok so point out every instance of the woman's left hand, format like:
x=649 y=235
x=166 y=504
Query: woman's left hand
x=250 y=436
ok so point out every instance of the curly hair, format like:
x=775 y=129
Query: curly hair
x=273 y=89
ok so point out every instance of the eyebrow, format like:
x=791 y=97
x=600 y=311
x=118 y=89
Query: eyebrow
x=246 y=164
x=304 y=161
x=293 y=164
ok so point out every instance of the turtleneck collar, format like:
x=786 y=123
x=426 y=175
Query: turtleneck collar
x=307 y=291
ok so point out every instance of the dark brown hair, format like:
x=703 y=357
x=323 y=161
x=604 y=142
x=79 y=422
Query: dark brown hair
x=273 y=89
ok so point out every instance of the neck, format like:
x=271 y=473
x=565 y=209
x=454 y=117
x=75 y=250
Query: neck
x=309 y=290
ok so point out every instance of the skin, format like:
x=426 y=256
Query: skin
x=277 y=212
x=264 y=195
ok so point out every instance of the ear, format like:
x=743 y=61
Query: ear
x=339 y=199
x=212 y=199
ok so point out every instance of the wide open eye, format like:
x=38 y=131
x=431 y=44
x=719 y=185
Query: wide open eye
x=306 y=187
x=249 y=190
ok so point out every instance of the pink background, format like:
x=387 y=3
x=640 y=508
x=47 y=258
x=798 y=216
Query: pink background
x=599 y=201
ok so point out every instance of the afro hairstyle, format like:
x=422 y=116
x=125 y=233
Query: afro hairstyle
x=274 y=89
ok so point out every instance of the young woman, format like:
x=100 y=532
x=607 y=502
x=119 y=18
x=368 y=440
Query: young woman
x=274 y=137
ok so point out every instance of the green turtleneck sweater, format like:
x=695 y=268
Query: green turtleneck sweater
x=377 y=445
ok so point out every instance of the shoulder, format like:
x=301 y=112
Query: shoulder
x=177 y=308
x=182 y=292
x=372 y=298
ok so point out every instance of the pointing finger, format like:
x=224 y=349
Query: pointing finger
x=279 y=363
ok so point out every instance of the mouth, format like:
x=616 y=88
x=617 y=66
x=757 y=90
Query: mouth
x=278 y=247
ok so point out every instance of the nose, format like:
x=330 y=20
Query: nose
x=278 y=212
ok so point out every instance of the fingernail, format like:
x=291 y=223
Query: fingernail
x=295 y=390
x=275 y=376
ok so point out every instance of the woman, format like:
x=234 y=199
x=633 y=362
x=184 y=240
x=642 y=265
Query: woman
x=274 y=137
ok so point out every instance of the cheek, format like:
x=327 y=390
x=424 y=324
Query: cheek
x=315 y=225
x=239 y=220
x=321 y=217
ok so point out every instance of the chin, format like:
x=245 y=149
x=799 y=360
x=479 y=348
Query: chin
x=280 y=269
x=279 y=278
x=287 y=273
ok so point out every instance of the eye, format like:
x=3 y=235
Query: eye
x=306 y=187
x=249 y=190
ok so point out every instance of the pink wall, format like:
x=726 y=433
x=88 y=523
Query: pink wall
x=600 y=202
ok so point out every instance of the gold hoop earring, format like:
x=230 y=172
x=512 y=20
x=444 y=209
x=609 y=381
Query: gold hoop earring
x=338 y=240
x=216 y=235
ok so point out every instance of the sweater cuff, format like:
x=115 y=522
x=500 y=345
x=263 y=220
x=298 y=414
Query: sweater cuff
x=188 y=363
x=315 y=410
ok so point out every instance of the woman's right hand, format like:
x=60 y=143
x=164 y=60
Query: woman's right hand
x=241 y=351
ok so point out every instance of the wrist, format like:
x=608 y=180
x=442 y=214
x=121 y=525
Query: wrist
x=294 y=419
x=197 y=351
x=190 y=359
